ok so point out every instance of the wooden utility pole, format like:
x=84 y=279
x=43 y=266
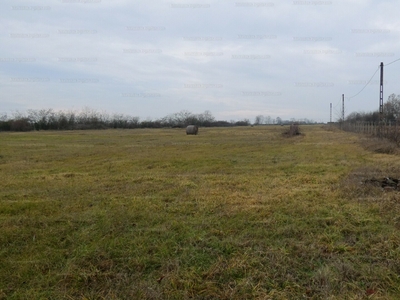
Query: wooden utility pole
x=330 y=118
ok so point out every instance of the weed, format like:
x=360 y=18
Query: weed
x=294 y=129
x=382 y=145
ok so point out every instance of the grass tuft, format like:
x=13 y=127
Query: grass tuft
x=383 y=146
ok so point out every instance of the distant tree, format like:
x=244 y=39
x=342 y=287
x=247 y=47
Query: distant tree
x=244 y=122
x=391 y=108
x=21 y=124
x=42 y=118
x=205 y=119
x=179 y=119
x=259 y=120
x=223 y=123
x=391 y=112
x=48 y=119
x=4 y=123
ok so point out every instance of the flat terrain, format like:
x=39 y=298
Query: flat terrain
x=232 y=213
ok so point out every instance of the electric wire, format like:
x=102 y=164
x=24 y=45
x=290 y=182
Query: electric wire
x=337 y=112
x=364 y=85
x=371 y=79
x=392 y=62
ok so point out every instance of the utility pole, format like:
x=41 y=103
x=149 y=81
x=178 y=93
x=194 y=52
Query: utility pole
x=381 y=95
x=380 y=130
x=330 y=119
x=343 y=107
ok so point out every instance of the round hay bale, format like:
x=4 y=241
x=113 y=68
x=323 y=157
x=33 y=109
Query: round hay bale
x=192 y=129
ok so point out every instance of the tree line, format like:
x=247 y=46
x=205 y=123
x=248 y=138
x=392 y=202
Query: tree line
x=267 y=120
x=391 y=112
x=49 y=119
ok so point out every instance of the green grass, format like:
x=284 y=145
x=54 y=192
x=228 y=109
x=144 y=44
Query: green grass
x=232 y=213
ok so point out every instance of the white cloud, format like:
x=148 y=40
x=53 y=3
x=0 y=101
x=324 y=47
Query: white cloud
x=233 y=58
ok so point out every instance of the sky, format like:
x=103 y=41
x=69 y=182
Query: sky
x=237 y=59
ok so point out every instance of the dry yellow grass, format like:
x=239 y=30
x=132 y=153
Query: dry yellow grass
x=232 y=213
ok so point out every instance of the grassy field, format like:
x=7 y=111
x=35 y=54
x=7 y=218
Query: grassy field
x=232 y=213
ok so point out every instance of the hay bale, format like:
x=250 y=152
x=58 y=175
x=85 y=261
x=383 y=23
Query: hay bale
x=192 y=129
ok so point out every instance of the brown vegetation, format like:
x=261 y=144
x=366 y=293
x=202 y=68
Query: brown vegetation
x=293 y=130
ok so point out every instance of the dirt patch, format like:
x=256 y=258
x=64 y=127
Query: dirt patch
x=387 y=183
x=369 y=183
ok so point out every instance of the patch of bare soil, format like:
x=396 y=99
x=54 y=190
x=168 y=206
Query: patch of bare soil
x=369 y=183
x=387 y=183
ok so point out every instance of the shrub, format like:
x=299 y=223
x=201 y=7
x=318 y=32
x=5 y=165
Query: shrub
x=293 y=130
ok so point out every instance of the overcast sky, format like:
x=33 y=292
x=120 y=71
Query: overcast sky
x=237 y=59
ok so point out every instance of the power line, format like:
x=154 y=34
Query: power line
x=392 y=62
x=337 y=112
x=366 y=83
x=373 y=77
x=381 y=88
x=337 y=103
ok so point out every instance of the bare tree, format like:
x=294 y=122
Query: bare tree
x=391 y=108
x=258 y=120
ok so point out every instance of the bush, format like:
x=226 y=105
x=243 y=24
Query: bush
x=293 y=130
x=21 y=125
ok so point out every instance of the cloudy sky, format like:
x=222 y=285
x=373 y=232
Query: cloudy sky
x=237 y=59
